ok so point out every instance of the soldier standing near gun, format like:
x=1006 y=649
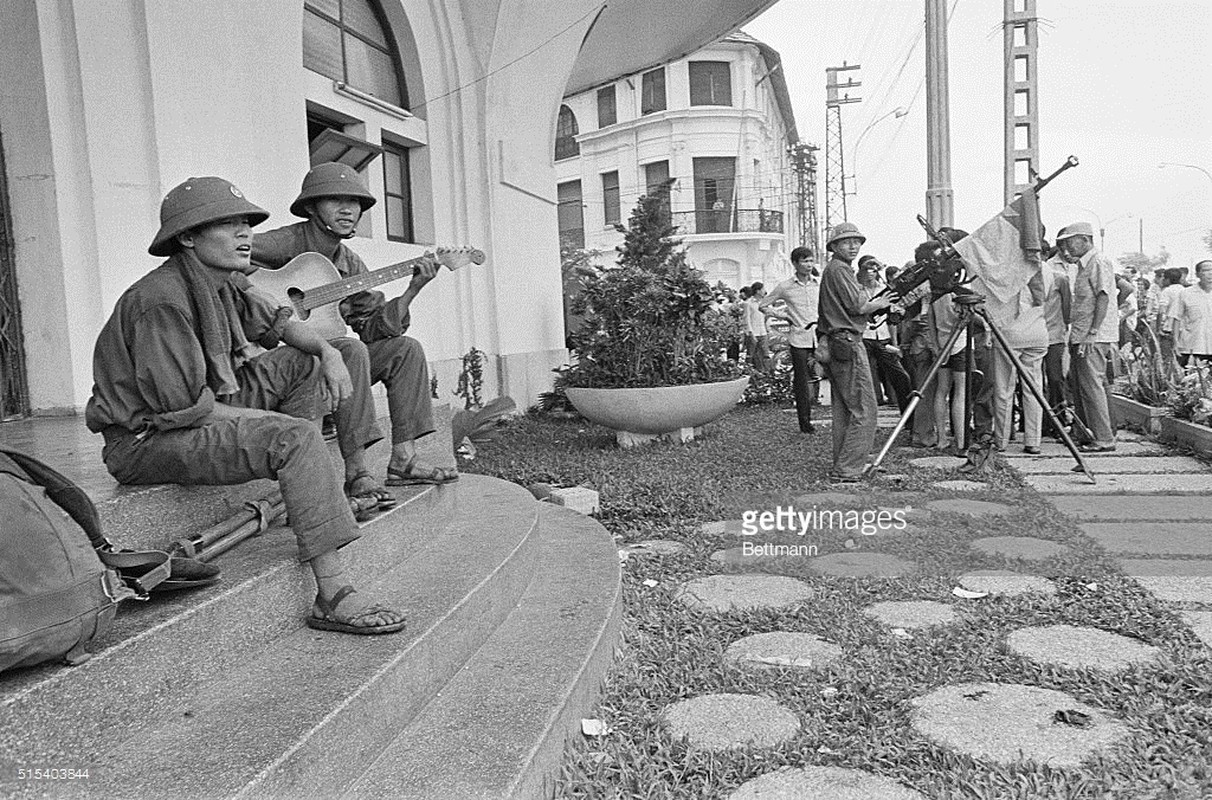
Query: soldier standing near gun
x=844 y=314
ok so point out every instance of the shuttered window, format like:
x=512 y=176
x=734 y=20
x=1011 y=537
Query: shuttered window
x=710 y=83
x=652 y=91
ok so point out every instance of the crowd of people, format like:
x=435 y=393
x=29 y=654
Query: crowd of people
x=1062 y=331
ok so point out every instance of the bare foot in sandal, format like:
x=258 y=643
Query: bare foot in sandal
x=344 y=613
x=415 y=472
x=364 y=486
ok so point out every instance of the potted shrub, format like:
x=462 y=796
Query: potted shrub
x=1190 y=403
x=1140 y=394
x=650 y=352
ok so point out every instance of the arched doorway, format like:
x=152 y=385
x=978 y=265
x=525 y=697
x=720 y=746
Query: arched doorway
x=14 y=387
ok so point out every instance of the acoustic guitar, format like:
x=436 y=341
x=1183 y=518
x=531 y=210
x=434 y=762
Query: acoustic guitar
x=313 y=287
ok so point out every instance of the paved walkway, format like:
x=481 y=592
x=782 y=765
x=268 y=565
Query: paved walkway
x=1151 y=508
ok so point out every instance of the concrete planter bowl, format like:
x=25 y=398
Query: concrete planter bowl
x=642 y=415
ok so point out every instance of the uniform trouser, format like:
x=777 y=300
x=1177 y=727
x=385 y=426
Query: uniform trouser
x=355 y=418
x=399 y=364
x=854 y=409
x=983 y=392
x=888 y=369
x=1088 y=375
x=803 y=386
x=924 y=433
x=1056 y=388
x=1005 y=379
x=272 y=435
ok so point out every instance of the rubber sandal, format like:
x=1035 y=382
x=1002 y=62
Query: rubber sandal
x=435 y=476
x=382 y=498
x=363 y=508
x=328 y=620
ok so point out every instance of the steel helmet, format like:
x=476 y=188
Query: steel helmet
x=331 y=180
x=197 y=202
x=844 y=230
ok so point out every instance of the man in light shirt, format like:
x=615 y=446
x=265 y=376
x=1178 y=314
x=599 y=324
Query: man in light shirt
x=1190 y=318
x=800 y=295
x=1093 y=333
x=756 y=343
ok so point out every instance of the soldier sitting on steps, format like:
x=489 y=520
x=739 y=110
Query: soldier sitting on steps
x=184 y=390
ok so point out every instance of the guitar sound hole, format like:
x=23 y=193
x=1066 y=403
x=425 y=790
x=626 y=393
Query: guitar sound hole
x=296 y=296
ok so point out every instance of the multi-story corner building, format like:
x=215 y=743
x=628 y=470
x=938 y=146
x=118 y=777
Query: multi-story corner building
x=719 y=123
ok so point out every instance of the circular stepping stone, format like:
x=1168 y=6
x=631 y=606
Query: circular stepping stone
x=762 y=552
x=911 y=613
x=973 y=508
x=721 y=721
x=766 y=650
x=743 y=592
x=1006 y=583
x=997 y=721
x=938 y=462
x=655 y=547
x=1025 y=547
x=962 y=485
x=862 y=565
x=823 y=783
x=1071 y=646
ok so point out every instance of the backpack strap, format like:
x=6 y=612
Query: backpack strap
x=141 y=570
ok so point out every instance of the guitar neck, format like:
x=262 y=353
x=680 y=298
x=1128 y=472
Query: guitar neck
x=339 y=290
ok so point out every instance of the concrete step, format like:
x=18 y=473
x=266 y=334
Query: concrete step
x=204 y=701
x=508 y=712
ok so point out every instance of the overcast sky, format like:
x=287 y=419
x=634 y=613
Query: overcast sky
x=1123 y=86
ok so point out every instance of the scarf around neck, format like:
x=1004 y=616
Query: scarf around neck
x=213 y=294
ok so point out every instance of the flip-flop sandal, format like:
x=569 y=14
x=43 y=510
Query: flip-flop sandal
x=382 y=498
x=327 y=619
x=363 y=508
x=435 y=476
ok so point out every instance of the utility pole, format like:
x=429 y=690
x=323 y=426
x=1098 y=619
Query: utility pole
x=835 y=167
x=939 y=200
x=803 y=164
x=1020 y=95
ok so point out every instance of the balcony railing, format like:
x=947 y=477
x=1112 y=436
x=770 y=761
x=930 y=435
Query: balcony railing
x=737 y=220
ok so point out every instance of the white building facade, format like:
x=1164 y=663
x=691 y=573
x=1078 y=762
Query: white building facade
x=448 y=106
x=718 y=122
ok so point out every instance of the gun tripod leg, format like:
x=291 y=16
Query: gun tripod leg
x=915 y=397
x=1038 y=393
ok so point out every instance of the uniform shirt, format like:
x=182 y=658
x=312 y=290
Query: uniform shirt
x=841 y=299
x=801 y=298
x=1095 y=275
x=149 y=368
x=1191 y=316
x=1056 y=277
x=755 y=320
x=1164 y=301
x=366 y=312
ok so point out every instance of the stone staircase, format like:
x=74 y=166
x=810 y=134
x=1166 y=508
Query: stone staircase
x=514 y=611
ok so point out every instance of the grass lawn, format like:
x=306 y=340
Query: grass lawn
x=754 y=460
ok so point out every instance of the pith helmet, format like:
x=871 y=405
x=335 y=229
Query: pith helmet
x=844 y=230
x=1076 y=229
x=196 y=202
x=331 y=180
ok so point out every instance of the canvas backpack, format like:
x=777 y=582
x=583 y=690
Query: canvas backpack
x=59 y=577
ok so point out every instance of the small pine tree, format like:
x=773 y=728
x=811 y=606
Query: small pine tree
x=650 y=239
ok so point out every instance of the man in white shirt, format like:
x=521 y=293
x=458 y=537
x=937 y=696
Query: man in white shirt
x=756 y=343
x=1190 y=318
x=800 y=295
x=1093 y=333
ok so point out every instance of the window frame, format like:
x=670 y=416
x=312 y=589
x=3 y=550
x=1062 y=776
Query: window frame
x=611 y=203
x=391 y=148
x=708 y=71
x=566 y=145
x=608 y=91
x=648 y=87
x=391 y=51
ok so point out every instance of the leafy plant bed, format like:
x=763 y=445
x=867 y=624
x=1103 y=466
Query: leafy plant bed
x=856 y=712
x=1144 y=417
x=1187 y=434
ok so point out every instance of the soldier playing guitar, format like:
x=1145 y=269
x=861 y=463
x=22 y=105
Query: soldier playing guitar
x=332 y=201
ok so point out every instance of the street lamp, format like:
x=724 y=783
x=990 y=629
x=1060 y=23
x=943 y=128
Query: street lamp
x=899 y=112
x=1164 y=164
